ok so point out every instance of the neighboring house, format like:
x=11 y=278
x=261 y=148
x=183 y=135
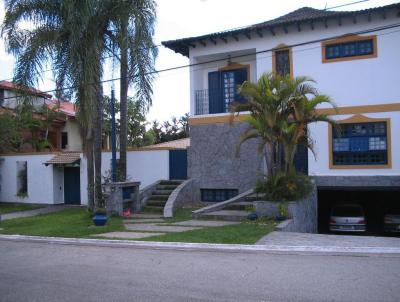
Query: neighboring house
x=64 y=133
x=354 y=58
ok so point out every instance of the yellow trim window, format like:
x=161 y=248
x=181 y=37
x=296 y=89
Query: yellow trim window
x=361 y=144
x=349 y=48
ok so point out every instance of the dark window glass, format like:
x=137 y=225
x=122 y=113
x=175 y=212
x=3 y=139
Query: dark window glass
x=64 y=140
x=349 y=49
x=282 y=62
x=360 y=144
x=217 y=195
x=347 y=211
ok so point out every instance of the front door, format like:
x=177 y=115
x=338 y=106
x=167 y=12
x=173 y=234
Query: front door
x=223 y=89
x=177 y=164
x=72 y=185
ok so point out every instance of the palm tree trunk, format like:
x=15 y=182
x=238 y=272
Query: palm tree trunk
x=99 y=202
x=90 y=172
x=123 y=100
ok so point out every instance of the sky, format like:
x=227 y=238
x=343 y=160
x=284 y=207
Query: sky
x=185 y=18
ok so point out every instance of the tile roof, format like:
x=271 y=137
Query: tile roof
x=304 y=14
x=176 y=144
x=64 y=158
x=6 y=85
x=66 y=107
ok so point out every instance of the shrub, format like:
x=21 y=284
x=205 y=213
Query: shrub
x=285 y=187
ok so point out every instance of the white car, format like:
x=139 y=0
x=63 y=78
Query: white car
x=347 y=218
x=391 y=221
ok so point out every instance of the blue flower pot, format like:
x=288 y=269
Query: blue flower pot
x=280 y=218
x=100 y=219
x=252 y=216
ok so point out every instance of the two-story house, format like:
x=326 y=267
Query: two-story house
x=352 y=55
x=63 y=134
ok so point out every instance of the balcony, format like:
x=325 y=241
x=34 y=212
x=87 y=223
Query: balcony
x=211 y=101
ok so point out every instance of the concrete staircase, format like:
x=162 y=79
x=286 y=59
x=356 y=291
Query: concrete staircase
x=159 y=197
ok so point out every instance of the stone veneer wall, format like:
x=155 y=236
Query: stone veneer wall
x=303 y=213
x=212 y=163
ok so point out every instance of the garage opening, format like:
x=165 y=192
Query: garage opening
x=376 y=202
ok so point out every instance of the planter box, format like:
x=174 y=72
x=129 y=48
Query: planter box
x=268 y=208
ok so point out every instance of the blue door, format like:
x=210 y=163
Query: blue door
x=177 y=164
x=72 y=185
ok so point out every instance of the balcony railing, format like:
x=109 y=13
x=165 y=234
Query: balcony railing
x=202 y=103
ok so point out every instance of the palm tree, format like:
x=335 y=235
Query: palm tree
x=133 y=24
x=280 y=110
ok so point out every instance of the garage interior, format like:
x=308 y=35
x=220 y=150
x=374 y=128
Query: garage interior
x=376 y=202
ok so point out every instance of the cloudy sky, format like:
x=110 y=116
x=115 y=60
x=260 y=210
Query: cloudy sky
x=184 y=18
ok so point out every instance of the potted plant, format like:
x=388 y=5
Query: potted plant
x=252 y=213
x=283 y=211
x=100 y=217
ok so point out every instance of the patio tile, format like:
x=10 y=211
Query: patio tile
x=205 y=223
x=149 y=227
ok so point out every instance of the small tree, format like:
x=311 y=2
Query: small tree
x=280 y=109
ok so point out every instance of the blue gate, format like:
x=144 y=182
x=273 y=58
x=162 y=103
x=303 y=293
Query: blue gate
x=177 y=164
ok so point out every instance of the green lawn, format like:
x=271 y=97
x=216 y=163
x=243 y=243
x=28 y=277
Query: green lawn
x=6 y=207
x=66 y=223
x=243 y=233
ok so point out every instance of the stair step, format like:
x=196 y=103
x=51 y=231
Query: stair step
x=156 y=203
x=163 y=192
x=166 y=187
x=152 y=209
x=240 y=206
x=159 y=197
x=253 y=197
x=226 y=215
x=171 y=182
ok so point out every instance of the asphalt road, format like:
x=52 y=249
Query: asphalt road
x=50 y=272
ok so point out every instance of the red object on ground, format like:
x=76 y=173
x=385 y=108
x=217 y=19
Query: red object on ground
x=126 y=213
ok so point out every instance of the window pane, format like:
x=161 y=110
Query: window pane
x=282 y=62
x=359 y=144
x=349 y=49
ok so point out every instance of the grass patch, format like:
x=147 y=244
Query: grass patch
x=6 y=207
x=71 y=223
x=243 y=233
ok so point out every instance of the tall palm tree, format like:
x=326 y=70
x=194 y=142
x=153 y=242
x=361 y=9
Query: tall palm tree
x=133 y=24
x=280 y=108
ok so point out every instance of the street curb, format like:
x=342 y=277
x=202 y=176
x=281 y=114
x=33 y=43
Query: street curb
x=208 y=247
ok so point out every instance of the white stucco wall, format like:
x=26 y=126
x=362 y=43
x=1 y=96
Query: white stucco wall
x=40 y=179
x=11 y=100
x=144 y=166
x=348 y=83
x=320 y=164
x=74 y=135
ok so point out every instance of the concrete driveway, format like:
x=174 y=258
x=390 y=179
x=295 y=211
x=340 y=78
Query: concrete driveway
x=323 y=240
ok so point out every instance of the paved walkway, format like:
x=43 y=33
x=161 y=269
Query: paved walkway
x=322 y=240
x=141 y=227
x=45 y=210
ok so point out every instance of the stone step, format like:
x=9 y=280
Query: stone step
x=159 y=197
x=226 y=215
x=253 y=197
x=171 y=182
x=153 y=209
x=240 y=206
x=163 y=192
x=156 y=203
x=166 y=187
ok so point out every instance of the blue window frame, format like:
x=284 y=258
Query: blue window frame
x=349 y=49
x=360 y=144
x=217 y=195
